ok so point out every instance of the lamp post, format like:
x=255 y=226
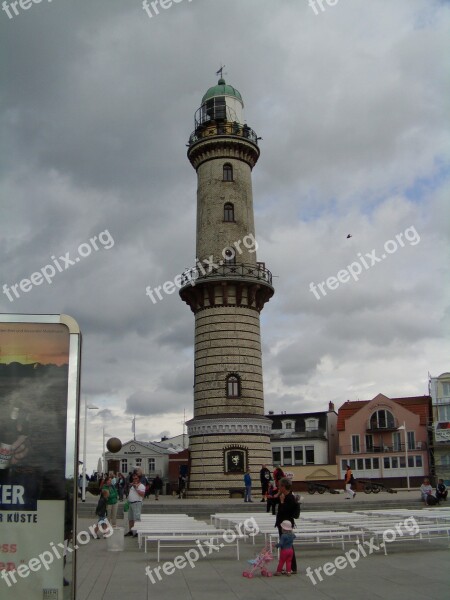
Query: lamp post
x=406 y=453
x=83 y=475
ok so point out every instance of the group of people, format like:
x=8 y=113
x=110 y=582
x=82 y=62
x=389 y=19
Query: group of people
x=426 y=492
x=269 y=486
x=114 y=488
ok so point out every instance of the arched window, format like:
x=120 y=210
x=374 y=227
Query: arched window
x=227 y=172
x=228 y=212
x=233 y=386
x=382 y=419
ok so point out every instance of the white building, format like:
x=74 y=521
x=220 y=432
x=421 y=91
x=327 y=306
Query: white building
x=439 y=388
x=300 y=439
x=151 y=457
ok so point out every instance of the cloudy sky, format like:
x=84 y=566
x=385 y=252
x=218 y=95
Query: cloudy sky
x=97 y=103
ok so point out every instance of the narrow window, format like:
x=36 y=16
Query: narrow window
x=309 y=455
x=355 y=444
x=298 y=454
x=233 y=386
x=287 y=456
x=276 y=456
x=228 y=212
x=227 y=172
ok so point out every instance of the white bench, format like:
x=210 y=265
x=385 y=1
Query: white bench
x=172 y=529
x=187 y=540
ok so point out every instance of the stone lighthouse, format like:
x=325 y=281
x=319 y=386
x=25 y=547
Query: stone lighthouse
x=226 y=290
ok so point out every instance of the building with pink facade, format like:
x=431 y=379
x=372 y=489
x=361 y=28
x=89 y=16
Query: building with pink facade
x=372 y=436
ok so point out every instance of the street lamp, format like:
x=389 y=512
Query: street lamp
x=83 y=475
x=403 y=427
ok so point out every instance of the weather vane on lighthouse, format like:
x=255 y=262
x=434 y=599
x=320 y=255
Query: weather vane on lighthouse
x=220 y=71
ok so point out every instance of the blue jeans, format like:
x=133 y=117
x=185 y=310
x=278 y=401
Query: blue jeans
x=248 y=493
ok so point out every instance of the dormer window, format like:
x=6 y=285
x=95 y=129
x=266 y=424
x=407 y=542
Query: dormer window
x=311 y=424
x=288 y=425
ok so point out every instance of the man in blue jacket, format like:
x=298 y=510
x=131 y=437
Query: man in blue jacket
x=248 y=487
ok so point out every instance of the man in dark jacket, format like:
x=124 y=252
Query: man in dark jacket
x=286 y=510
x=264 y=476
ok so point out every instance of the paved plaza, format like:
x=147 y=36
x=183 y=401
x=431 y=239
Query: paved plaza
x=410 y=571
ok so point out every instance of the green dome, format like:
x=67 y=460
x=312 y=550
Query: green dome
x=222 y=89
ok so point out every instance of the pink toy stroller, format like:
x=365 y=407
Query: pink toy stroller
x=261 y=562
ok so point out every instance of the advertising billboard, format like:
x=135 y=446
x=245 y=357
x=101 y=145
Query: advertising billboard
x=39 y=375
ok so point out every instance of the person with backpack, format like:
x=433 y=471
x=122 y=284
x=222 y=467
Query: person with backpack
x=288 y=510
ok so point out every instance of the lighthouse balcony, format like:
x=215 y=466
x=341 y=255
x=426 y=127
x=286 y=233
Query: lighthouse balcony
x=240 y=271
x=215 y=128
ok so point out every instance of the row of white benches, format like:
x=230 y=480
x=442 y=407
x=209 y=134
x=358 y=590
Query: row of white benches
x=175 y=531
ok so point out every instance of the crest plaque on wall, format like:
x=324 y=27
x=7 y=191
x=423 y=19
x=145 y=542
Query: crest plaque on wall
x=235 y=459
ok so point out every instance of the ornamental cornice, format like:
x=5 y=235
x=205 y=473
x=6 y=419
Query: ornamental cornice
x=226 y=426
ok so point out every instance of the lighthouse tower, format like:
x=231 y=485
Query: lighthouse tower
x=226 y=290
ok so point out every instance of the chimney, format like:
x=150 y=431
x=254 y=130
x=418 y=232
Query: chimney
x=330 y=406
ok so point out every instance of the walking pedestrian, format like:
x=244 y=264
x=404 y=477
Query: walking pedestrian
x=349 y=479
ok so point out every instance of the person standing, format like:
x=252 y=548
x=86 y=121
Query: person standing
x=264 y=476
x=157 y=486
x=121 y=486
x=248 y=487
x=135 y=498
x=272 y=498
x=113 y=500
x=102 y=513
x=348 y=483
x=277 y=475
x=286 y=511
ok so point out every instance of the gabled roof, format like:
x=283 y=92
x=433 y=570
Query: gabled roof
x=418 y=405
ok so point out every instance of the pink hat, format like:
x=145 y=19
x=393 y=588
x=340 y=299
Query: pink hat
x=287 y=525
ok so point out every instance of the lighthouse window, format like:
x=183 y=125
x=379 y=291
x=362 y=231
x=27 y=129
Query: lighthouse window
x=227 y=172
x=233 y=386
x=228 y=212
